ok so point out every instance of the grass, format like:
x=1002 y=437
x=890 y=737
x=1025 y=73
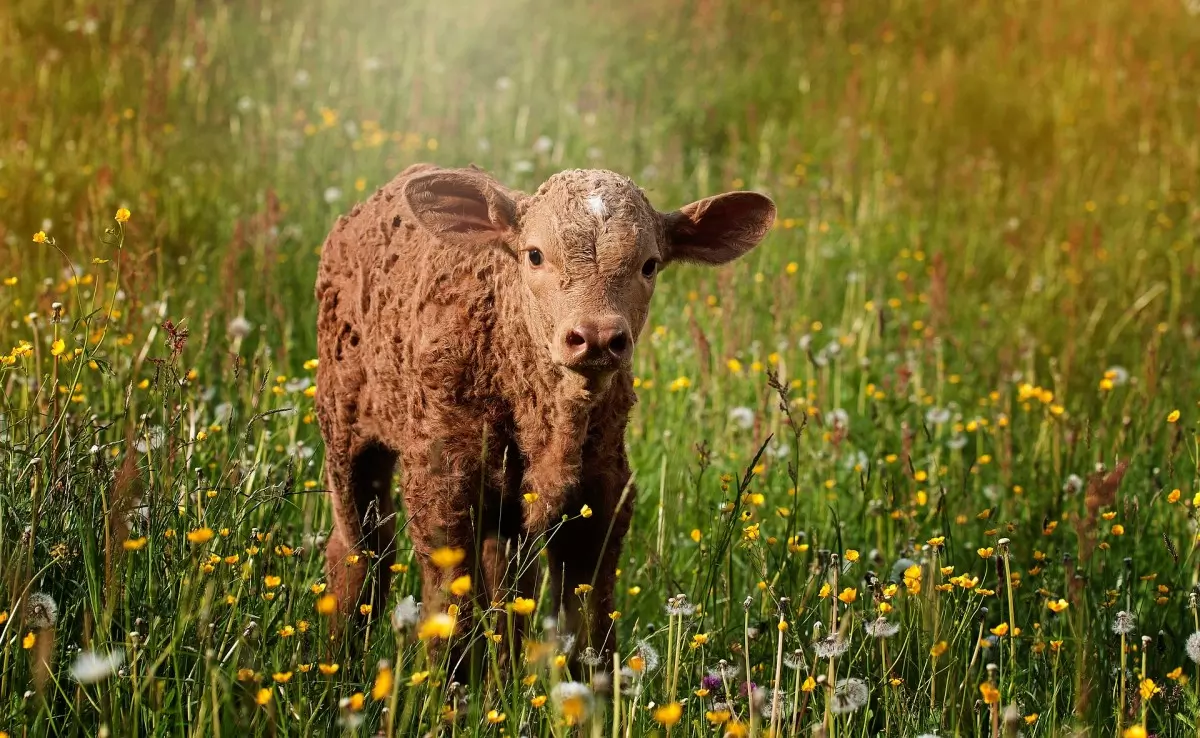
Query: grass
x=980 y=301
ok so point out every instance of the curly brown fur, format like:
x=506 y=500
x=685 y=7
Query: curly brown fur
x=487 y=372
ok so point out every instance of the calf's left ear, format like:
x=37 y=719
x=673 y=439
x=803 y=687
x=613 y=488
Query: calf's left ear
x=718 y=229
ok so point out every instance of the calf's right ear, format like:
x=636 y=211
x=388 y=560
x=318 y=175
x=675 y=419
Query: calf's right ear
x=463 y=208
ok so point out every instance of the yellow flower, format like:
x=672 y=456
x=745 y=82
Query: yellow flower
x=937 y=542
x=614 y=615
x=287 y=631
x=418 y=678
x=383 y=684
x=1118 y=530
x=461 y=586
x=523 y=606
x=851 y=555
x=585 y=511
x=327 y=605
x=356 y=701
x=938 y=649
x=1173 y=416
x=28 y=641
x=848 y=595
x=1031 y=718
x=668 y=715
x=1149 y=689
x=809 y=684
x=699 y=639
x=531 y=497
x=1000 y=630
x=122 y=215
x=582 y=589
x=495 y=717
x=282 y=677
x=538 y=701
x=200 y=535
x=1057 y=605
x=263 y=697
x=1135 y=731
x=272 y=581
x=1173 y=497
x=318 y=588
x=438 y=625
x=986 y=553
x=447 y=558
x=1175 y=673
x=3 y=617
x=734 y=365
x=134 y=544
x=991 y=695
x=328 y=669
x=39 y=237
x=695 y=535
x=365 y=609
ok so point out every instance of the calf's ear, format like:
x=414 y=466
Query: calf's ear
x=718 y=229
x=463 y=208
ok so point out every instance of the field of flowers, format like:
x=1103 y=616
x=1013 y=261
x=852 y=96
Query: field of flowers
x=927 y=462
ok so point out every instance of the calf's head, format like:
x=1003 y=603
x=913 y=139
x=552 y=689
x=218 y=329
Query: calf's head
x=589 y=246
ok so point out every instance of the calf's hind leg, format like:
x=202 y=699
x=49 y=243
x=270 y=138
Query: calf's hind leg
x=359 y=477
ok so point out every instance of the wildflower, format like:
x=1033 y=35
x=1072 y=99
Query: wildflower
x=937 y=541
x=282 y=677
x=326 y=605
x=695 y=535
x=461 y=586
x=742 y=417
x=438 y=625
x=938 y=649
x=717 y=717
x=699 y=639
x=1000 y=630
x=39 y=237
x=200 y=535
x=678 y=605
x=538 y=701
x=991 y=695
x=647 y=653
x=447 y=558
x=1118 y=530
x=1135 y=731
x=849 y=695
x=831 y=646
x=122 y=215
x=825 y=590
x=41 y=611
x=1193 y=647
x=585 y=512
x=882 y=628
x=405 y=614
x=1124 y=623
x=328 y=669
x=848 y=595
x=29 y=640
x=1057 y=606
x=58 y=347
x=355 y=701
x=809 y=684
x=523 y=606
x=287 y=631
x=383 y=682
x=272 y=581
x=90 y=667
x=574 y=701
x=668 y=715
x=986 y=553
x=365 y=609
x=263 y=697
x=1148 y=689
x=851 y=555
x=495 y=717
x=1173 y=416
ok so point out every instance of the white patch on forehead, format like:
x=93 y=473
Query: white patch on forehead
x=596 y=206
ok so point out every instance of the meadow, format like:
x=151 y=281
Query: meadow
x=927 y=462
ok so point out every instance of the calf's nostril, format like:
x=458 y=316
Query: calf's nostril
x=575 y=339
x=618 y=343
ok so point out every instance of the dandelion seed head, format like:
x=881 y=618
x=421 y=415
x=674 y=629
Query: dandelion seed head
x=91 y=667
x=881 y=627
x=849 y=695
x=41 y=611
x=831 y=646
x=1193 y=647
x=1123 y=623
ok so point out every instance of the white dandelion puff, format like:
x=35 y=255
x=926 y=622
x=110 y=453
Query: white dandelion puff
x=41 y=611
x=881 y=627
x=1124 y=623
x=91 y=667
x=1193 y=647
x=648 y=655
x=849 y=695
x=742 y=417
x=406 y=614
x=831 y=646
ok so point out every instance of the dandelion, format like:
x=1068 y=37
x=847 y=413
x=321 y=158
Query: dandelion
x=1193 y=647
x=742 y=417
x=831 y=646
x=849 y=695
x=882 y=628
x=239 y=327
x=679 y=606
x=406 y=614
x=1124 y=623
x=574 y=701
x=91 y=667
x=41 y=611
x=648 y=655
x=122 y=215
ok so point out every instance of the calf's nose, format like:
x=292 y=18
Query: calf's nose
x=599 y=339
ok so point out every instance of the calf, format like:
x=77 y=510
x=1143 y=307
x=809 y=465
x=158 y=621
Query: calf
x=483 y=337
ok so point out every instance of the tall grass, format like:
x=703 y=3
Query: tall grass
x=956 y=388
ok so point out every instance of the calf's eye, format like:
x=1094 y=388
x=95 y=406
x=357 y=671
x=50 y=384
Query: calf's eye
x=649 y=268
x=535 y=257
